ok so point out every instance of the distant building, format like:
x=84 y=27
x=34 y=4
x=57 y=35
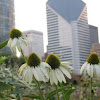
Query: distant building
x=96 y=48
x=7 y=19
x=36 y=40
x=93 y=34
x=68 y=30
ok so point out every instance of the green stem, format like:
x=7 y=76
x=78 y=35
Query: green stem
x=90 y=88
x=38 y=86
x=57 y=92
x=23 y=55
x=81 y=90
x=63 y=93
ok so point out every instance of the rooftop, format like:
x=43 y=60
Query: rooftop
x=68 y=9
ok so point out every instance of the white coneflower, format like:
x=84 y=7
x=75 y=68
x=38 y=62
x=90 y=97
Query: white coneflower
x=91 y=66
x=58 y=69
x=34 y=67
x=17 y=41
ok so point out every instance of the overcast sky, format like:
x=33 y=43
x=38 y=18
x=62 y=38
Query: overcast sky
x=31 y=14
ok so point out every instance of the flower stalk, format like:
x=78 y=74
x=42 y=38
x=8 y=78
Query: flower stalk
x=90 y=88
x=23 y=55
x=38 y=86
x=63 y=93
x=57 y=92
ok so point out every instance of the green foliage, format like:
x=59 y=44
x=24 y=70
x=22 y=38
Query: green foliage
x=6 y=54
x=4 y=86
x=32 y=96
x=2 y=96
x=13 y=84
x=2 y=59
x=12 y=61
x=96 y=84
x=33 y=60
x=93 y=58
x=85 y=84
x=68 y=93
x=15 y=33
x=52 y=93
x=53 y=61
x=3 y=44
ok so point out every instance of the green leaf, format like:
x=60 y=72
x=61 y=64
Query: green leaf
x=2 y=59
x=4 y=86
x=68 y=93
x=20 y=91
x=11 y=96
x=3 y=44
x=52 y=98
x=32 y=96
x=1 y=95
x=96 y=84
x=52 y=93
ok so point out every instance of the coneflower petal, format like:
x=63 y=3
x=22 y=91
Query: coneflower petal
x=60 y=75
x=83 y=67
x=9 y=42
x=88 y=69
x=45 y=72
x=14 y=42
x=54 y=77
x=65 y=72
x=51 y=78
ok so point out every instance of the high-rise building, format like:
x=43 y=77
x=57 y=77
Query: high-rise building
x=36 y=43
x=68 y=30
x=7 y=19
x=93 y=34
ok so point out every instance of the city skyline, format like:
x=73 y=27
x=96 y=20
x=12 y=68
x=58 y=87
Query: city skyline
x=34 y=16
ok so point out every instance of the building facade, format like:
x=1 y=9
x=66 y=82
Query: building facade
x=93 y=34
x=68 y=30
x=7 y=19
x=36 y=43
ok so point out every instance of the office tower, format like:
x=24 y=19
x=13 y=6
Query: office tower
x=93 y=34
x=36 y=43
x=68 y=30
x=7 y=19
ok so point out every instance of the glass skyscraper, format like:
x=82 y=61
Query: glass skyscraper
x=68 y=30
x=7 y=19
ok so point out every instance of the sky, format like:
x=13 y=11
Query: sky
x=31 y=15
